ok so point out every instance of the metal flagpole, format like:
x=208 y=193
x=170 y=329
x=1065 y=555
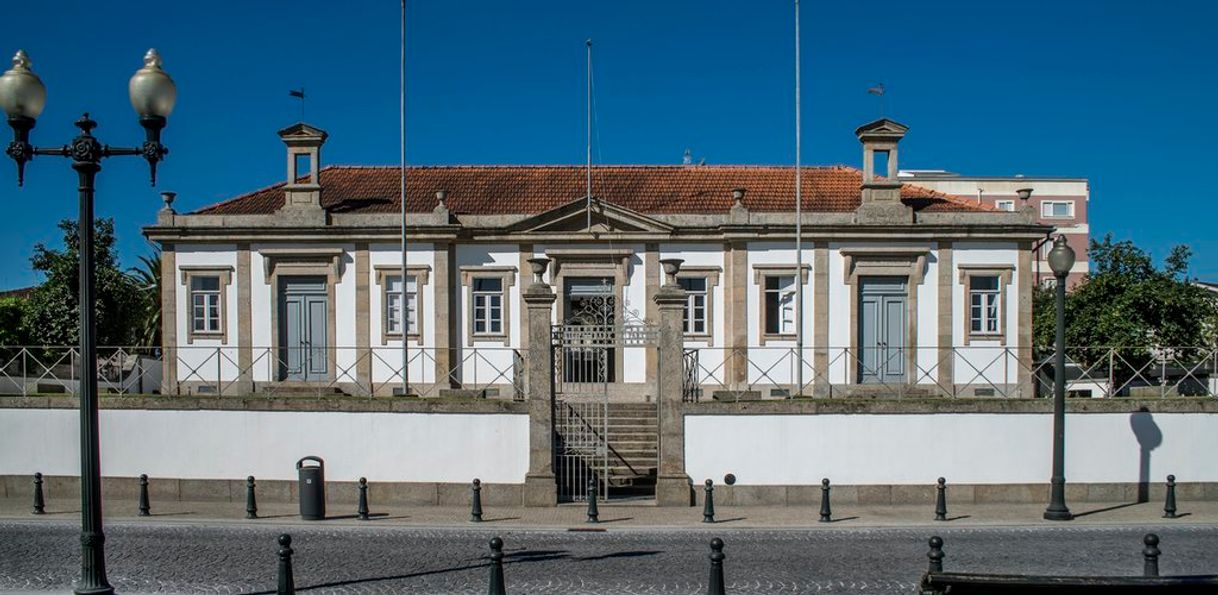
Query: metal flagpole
x=799 y=257
x=403 y=317
x=588 y=181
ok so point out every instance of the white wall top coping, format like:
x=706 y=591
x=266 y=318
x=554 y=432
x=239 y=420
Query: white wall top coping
x=598 y=252
x=882 y=250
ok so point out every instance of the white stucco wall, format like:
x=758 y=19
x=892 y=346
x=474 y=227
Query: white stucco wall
x=776 y=362
x=386 y=354
x=487 y=360
x=407 y=447
x=202 y=359
x=964 y=448
x=710 y=349
x=983 y=362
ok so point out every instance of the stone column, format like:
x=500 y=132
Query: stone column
x=540 y=488
x=673 y=487
x=169 y=320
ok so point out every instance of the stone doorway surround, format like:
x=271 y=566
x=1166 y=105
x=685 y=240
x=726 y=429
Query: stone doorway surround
x=321 y=262
x=908 y=262
x=611 y=263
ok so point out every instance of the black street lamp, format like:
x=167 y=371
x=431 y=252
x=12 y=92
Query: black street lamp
x=1061 y=260
x=22 y=96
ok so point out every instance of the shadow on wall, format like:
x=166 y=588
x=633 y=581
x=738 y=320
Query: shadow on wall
x=1149 y=437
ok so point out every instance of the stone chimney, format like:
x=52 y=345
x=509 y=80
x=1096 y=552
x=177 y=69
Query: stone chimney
x=302 y=193
x=881 y=197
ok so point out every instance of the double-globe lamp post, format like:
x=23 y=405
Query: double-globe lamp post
x=1061 y=260
x=22 y=96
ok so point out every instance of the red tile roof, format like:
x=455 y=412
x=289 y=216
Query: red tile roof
x=531 y=189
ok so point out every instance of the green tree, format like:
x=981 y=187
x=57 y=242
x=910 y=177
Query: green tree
x=147 y=276
x=12 y=321
x=52 y=314
x=1130 y=305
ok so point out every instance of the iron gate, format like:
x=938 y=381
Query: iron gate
x=586 y=355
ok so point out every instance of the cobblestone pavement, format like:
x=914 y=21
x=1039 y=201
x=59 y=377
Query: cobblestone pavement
x=195 y=558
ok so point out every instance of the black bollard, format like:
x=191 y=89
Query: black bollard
x=1169 y=505
x=708 y=505
x=251 y=501
x=144 y=506
x=40 y=504
x=935 y=554
x=363 y=499
x=1151 y=553
x=287 y=585
x=825 y=514
x=941 y=500
x=496 y=585
x=593 y=512
x=475 y=501
x=715 y=585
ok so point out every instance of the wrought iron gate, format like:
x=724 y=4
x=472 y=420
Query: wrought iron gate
x=586 y=354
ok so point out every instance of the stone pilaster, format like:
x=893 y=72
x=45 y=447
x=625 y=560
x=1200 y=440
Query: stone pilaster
x=169 y=320
x=736 y=323
x=446 y=291
x=540 y=488
x=245 y=332
x=820 y=319
x=673 y=487
x=1023 y=351
x=363 y=318
x=947 y=290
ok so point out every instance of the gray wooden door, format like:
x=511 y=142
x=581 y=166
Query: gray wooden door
x=303 y=322
x=882 y=327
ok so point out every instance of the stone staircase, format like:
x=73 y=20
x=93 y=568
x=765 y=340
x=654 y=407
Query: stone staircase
x=634 y=441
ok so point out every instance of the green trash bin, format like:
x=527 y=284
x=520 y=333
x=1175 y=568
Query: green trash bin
x=312 y=488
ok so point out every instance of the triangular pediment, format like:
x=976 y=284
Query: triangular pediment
x=606 y=218
x=882 y=126
x=302 y=131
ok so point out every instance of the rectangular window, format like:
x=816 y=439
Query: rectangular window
x=393 y=305
x=779 y=305
x=983 y=305
x=1057 y=209
x=1005 y=205
x=695 y=315
x=488 y=306
x=205 y=304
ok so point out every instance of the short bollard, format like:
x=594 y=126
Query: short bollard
x=594 y=513
x=715 y=585
x=145 y=508
x=1151 y=553
x=825 y=514
x=708 y=505
x=287 y=585
x=475 y=501
x=935 y=554
x=251 y=501
x=40 y=504
x=362 y=511
x=496 y=585
x=1169 y=505
x=941 y=500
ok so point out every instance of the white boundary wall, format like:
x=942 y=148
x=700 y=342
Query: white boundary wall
x=399 y=447
x=970 y=448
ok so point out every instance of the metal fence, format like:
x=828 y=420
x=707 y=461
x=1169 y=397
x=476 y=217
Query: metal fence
x=733 y=374
x=269 y=371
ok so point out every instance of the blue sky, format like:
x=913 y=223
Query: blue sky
x=1109 y=90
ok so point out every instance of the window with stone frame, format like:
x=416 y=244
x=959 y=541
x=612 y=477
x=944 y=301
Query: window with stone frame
x=696 y=316
x=778 y=305
x=205 y=305
x=488 y=305
x=984 y=298
x=393 y=305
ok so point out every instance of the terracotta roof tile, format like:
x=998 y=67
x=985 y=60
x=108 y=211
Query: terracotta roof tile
x=511 y=189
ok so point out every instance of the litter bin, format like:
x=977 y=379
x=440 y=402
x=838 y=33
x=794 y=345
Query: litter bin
x=312 y=488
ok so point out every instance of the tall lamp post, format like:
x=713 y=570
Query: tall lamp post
x=1061 y=260
x=22 y=96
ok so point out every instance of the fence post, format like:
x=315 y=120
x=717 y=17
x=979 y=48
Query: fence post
x=673 y=486
x=540 y=487
x=1111 y=373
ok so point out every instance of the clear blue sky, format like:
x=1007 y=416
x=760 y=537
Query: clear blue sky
x=1110 y=90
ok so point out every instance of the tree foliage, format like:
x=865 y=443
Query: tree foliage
x=1129 y=304
x=51 y=316
x=12 y=321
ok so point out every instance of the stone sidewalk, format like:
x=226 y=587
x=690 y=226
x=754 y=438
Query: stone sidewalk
x=635 y=516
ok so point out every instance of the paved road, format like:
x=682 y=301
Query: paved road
x=183 y=558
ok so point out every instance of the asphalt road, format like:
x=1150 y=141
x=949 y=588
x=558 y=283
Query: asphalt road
x=43 y=555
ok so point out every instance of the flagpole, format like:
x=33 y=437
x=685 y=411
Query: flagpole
x=799 y=256
x=588 y=173
x=404 y=318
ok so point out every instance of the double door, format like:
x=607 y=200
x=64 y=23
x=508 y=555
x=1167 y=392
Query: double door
x=883 y=311
x=303 y=322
